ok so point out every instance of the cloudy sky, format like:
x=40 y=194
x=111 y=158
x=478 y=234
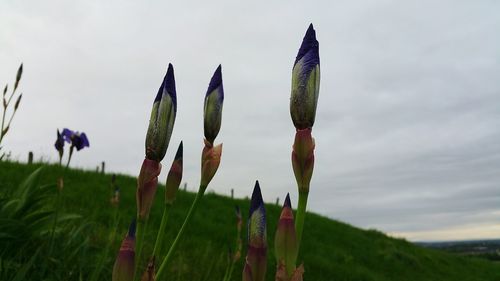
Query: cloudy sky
x=408 y=121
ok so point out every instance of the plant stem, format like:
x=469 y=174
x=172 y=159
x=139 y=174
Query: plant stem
x=161 y=231
x=54 y=223
x=139 y=235
x=70 y=154
x=300 y=216
x=180 y=233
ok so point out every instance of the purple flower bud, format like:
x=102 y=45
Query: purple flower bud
x=213 y=106
x=59 y=144
x=123 y=270
x=305 y=82
x=256 y=260
x=285 y=241
x=161 y=122
x=174 y=177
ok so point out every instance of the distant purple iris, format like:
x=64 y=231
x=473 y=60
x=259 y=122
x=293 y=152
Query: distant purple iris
x=78 y=140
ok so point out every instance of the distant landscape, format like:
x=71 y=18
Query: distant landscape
x=488 y=249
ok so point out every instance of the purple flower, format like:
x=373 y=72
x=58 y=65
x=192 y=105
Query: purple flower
x=77 y=139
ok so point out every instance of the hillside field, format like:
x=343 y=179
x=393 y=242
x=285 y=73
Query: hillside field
x=331 y=250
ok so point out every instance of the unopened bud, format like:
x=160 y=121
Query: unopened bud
x=174 y=177
x=161 y=122
x=305 y=82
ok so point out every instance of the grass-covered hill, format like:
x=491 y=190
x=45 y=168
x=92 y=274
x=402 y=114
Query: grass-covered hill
x=330 y=250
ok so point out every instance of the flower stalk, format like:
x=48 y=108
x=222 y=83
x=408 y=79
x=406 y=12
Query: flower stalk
x=303 y=103
x=173 y=181
x=210 y=158
x=160 y=129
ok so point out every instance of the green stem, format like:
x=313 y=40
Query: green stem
x=172 y=249
x=300 y=216
x=139 y=236
x=54 y=223
x=70 y=154
x=161 y=231
x=230 y=273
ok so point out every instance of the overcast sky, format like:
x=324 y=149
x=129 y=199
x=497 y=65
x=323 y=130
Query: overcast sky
x=408 y=122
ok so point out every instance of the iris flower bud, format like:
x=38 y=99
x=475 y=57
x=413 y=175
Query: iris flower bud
x=59 y=144
x=285 y=241
x=149 y=274
x=161 y=122
x=174 y=177
x=123 y=270
x=212 y=111
x=256 y=260
x=303 y=158
x=305 y=82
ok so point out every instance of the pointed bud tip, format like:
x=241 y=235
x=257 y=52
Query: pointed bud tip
x=179 y=153
x=168 y=85
x=131 y=229
x=257 y=200
x=287 y=203
x=309 y=43
x=216 y=81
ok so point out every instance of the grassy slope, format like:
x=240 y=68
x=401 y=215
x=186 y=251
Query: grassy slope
x=331 y=250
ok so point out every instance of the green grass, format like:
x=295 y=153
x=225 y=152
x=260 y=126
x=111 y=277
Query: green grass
x=330 y=250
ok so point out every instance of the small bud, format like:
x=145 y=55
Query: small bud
x=305 y=82
x=174 y=177
x=18 y=76
x=210 y=160
x=59 y=144
x=212 y=110
x=149 y=274
x=5 y=89
x=161 y=122
x=16 y=105
x=303 y=158
x=123 y=270
x=256 y=260
x=285 y=241
x=147 y=184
